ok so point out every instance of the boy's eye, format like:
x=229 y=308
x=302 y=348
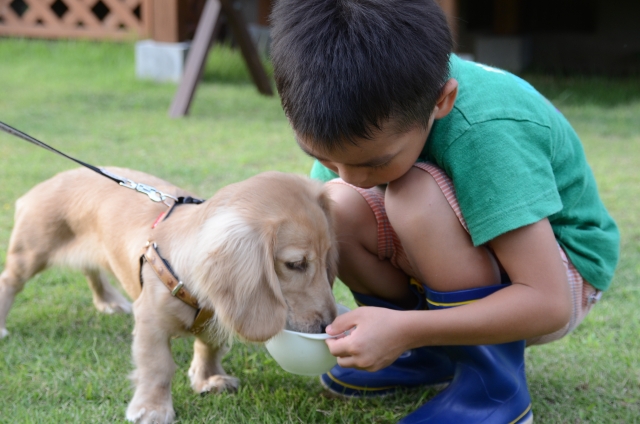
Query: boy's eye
x=380 y=165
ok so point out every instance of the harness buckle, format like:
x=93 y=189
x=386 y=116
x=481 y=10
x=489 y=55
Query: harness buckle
x=176 y=289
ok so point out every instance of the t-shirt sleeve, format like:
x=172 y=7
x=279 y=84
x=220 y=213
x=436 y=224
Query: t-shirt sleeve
x=321 y=172
x=503 y=176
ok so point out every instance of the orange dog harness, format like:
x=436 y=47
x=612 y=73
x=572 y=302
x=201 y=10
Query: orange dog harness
x=175 y=286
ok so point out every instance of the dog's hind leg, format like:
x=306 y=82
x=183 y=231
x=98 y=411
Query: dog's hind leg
x=106 y=298
x=35 y=239
x=21 y=265
x=10 y=286
x=206 y=372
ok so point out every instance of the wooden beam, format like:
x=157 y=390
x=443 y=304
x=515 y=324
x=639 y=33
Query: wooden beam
x=206 y=32
x=247 y=47
x=264 y=10
x=196 y=59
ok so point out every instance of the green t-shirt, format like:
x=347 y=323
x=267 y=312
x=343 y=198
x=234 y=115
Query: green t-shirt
x=514 y=160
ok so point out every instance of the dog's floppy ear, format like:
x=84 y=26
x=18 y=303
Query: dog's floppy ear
x=326 y=204
x=237 y=276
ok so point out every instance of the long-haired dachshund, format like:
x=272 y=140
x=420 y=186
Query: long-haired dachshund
x=256 y=258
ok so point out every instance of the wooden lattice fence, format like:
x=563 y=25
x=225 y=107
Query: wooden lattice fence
x=96 y=19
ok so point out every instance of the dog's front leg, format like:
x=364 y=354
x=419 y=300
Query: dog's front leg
x=155 y=368
x=206 y=372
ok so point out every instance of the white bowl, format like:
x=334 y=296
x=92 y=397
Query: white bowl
x=303 y=353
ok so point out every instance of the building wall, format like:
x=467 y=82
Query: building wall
x=590 y=36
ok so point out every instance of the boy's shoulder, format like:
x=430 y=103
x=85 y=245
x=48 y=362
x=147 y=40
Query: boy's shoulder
x=495 y=104
x=486 y=94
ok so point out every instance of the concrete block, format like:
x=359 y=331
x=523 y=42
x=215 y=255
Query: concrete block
x=512 y=53
x=160 y=61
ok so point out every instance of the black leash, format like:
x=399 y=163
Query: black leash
x=151 y=192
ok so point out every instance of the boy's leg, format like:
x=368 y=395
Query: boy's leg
x=368 y=252
x=432 y=253
x=373 y=262
x=365 y=245
x=490 y=382
x=371 y=222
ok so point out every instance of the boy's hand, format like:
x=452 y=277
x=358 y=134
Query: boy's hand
x=376 y=341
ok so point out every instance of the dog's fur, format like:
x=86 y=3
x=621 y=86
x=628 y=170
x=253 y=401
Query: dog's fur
x=260 y=253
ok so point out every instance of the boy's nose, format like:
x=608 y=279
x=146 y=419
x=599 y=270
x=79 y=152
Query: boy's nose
x=352 y=176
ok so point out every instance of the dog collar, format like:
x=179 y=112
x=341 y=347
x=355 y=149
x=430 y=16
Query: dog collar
x=162 y=269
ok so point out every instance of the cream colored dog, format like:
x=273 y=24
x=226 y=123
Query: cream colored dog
x=260 y=254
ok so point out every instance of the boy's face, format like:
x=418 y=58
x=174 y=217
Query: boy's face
x=367 y=163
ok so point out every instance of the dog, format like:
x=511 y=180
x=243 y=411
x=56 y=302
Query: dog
x=260 y=256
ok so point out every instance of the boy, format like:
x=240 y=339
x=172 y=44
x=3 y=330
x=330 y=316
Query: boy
x=466 y=214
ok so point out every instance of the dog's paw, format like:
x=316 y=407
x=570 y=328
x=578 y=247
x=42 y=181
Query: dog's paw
x=117 y=307
x=3 y=333
x=216 y=384
x=150 y=415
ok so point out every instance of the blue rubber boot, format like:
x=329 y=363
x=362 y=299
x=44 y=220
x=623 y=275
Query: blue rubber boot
x=489 y=385
x=424 y=366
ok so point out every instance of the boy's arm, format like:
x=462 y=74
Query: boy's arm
x=537 y=302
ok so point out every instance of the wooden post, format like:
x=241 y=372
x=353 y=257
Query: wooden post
x=450 y=8
x=164 y=25
x=264 y=10
x=168 y=22
x=506 y=17
x=147 y=17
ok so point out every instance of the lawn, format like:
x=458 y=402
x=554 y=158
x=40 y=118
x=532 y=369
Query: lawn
x=65 y=362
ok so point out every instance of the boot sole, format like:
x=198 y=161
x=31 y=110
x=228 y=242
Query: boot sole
x=368 y=393
x=527 y=419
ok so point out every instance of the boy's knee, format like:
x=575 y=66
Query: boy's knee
x=404 y=196
x=350 y=209
x=345 y=198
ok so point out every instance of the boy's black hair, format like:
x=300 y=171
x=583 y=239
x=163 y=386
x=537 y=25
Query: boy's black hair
x=345 y=67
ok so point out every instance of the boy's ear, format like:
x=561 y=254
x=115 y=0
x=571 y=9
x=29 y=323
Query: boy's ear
x=447 y=99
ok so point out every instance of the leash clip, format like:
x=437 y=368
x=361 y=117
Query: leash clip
x=128 y=183
x=151 y=192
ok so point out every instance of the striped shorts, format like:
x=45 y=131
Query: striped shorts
x=584 y=295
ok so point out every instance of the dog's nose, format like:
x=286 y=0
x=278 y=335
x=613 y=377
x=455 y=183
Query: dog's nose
x=323 y=328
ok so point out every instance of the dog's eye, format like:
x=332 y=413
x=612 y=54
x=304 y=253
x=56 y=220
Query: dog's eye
x=297 y=266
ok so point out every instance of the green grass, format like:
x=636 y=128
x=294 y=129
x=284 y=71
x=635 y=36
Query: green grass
x=65 y=362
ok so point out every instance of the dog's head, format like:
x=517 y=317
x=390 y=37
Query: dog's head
x=267 y=257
